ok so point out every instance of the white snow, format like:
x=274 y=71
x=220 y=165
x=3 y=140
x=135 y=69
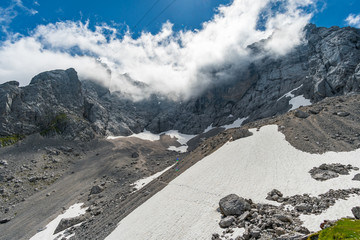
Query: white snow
x=209 y=128
x=145 y=135
x=342 y=208
x=297 y=101
x=181 y=138
x=290 y=94
x=181 y=149
x=250 y=167
x=236 y=123
x=48 y=233
x=139 y=184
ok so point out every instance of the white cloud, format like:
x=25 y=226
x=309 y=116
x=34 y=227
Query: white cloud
x=10 y=12
x=353 y=20
x=179 y=64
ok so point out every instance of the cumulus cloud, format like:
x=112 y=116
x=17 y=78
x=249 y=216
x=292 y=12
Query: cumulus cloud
x=353 y=20
x=178 y=64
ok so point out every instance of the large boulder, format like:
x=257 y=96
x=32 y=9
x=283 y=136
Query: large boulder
x=233 y=205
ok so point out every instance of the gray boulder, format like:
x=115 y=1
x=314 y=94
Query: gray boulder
x=301 y=114
x=233 y=205
x=96 y=190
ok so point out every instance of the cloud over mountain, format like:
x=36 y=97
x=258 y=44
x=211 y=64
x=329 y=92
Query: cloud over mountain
x=179 y=64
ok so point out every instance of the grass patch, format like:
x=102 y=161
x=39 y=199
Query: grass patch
x=343 y=229
x=55 y=124
x=10 y=140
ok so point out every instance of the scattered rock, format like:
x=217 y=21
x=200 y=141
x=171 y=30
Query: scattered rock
x=301 y=114
x=356 y=212
x=274 y=195
x=96 y=190
x=233 y=205
x=327 y=171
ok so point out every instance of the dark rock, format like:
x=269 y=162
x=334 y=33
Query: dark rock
x=274 y=195
x=3 y=162
x=5 y=220
x=301 y=114
x=65 y=223
x=226 y=221
x=356 y=177
x=96 y=190
x=328 y=171
x=134 y=155
x=233 y=205
x=356 y=212
x=215 y=236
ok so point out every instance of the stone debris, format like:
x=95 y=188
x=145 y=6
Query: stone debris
x=328 y=171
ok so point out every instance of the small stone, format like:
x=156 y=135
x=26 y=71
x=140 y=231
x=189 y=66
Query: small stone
x=227 y=221
x=342 y=114
x=134 y=155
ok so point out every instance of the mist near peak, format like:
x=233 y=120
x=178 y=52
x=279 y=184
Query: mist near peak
x=179 y=64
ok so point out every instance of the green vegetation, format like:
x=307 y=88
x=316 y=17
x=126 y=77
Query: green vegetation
x=10 y=140
x=54 y=125
x=343 y=229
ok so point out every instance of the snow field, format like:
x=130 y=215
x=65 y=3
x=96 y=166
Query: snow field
x=249 y=167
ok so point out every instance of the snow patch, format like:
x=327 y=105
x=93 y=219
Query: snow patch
x=209 y=128
x=139 y=184
x=249 y=167
x=290 y=94
x=147 y=135
x=299 y=101
x=236 y=123
x=48 y=232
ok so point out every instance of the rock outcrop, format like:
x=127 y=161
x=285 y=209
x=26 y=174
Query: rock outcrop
x=56 y=102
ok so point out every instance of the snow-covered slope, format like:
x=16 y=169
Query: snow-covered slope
x=249 y=167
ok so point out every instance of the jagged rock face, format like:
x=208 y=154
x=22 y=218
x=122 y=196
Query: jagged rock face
x=327 y=64
x=44 y=105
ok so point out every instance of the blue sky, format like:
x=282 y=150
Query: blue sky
x=162 y=43
x=185 y=14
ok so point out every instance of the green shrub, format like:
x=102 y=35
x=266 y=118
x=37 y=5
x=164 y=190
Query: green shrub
x=343 y=229
x=10 y=140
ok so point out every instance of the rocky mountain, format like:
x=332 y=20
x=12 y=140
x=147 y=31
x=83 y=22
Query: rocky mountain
x=57 y=102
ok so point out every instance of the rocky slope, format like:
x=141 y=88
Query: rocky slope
x=327 y=64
